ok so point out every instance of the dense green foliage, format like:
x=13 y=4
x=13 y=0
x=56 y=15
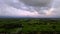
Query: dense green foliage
x=12 y=25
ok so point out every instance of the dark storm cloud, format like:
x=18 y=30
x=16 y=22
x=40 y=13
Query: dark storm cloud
x=36 y=2
x=37 y=5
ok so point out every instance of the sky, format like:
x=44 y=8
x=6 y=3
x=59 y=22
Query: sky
x=30 y=8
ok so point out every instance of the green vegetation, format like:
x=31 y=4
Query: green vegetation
x=12 y=26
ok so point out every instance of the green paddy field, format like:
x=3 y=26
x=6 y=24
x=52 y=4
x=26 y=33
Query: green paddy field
x=29 y=25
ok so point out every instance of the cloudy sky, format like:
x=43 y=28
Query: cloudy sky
x=30 y=8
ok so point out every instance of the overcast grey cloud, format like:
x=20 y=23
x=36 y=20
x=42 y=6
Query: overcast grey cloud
x=30 y=8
